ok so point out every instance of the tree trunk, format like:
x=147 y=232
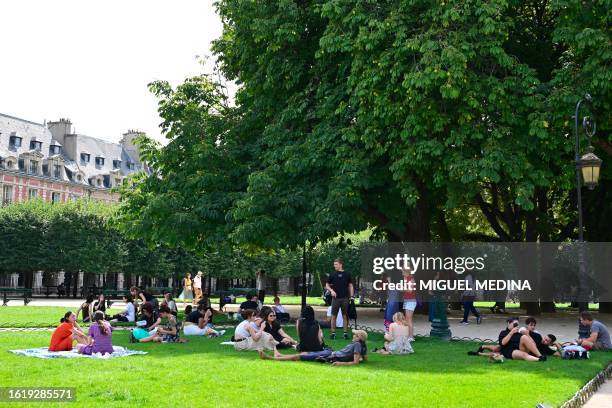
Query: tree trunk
x=531 y=308
x=548 y=307
x=605 y=307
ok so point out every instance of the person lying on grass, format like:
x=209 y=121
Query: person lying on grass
x=513 y=345
x=169 y=333
x=66 y=332
x=547 y=345
x=199 y=323
x=397 y=340
x=100 y=333
x=249 y=334
x=270 y=325
x=352 y=354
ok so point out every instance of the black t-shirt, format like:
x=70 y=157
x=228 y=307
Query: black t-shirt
x=150 y=320
x=309 y=336
x=273 y=330
x=249 y=304
x=537 y=338
x=339 y=282
x=515 y=340
x=100 y=306
x=148 y=297
x=194 y=317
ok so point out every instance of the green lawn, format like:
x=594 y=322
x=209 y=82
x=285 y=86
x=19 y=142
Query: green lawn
x=205 y=373
x=513 y=306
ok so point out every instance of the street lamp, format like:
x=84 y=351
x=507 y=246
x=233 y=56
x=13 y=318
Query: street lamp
x=589 y=166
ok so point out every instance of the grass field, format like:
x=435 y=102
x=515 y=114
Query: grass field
x=205 y=373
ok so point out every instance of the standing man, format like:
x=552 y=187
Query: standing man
x=197 y=287
x=260 y=284
x=340 y=285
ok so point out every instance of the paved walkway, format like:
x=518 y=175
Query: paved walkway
x=602 y=398
x=564 y=325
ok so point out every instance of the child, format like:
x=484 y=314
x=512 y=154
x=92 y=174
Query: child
x=281 y=313
x=398 y=337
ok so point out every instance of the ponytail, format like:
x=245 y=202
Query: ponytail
x=66 y=316
x=99 y=319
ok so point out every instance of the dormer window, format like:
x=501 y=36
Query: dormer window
x=35 y=145
x=55 y=149
x=79 y=178
x=116 y=164
x=9 y=164
x=99 y=161
x=131 y=166
x=14 y=142
x=99 y=183
x=57 y=171
x=33 y=167
x=85 y=157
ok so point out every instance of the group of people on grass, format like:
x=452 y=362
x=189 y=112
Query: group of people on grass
x=526 y=343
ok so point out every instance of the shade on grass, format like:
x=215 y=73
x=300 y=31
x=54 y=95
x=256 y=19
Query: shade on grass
x=205 y=373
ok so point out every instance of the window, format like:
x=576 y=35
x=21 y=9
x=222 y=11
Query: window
x=117 y=181
x=14 y=142
x=79 y=178
x=99 y=161
x=55 y=149
x=35 y=145
x=85 y=157
x=33 y=167
x=131 y=166
x=55 y=197
x=116 y=164
x=33 y=193
x=21 y=163
x=7 y=194
x=99 y=183
x=9 y=164
x=57 y=171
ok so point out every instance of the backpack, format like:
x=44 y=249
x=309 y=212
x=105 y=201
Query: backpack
x=352 y=310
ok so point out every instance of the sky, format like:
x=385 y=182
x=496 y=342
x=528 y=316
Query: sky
x=90 y=61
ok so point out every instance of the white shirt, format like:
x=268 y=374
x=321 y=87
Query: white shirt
x=197 y=282
x=339 y=321
x=241 y=330
x=130 y=311
x=279 y=308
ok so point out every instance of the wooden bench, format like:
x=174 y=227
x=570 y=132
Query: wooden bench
x=16 y=294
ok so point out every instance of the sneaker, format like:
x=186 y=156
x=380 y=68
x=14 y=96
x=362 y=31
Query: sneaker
x=472 y=353
x=496 y=358
x=542 y=358
x=221 y=333
x=332 y=336
x=345 y=336
x=478 y=319
x=464 y=323
x=480 y=349
x=585 y=355
x=410 y=339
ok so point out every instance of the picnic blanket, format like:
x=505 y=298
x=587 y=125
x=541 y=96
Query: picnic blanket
x=43 y=352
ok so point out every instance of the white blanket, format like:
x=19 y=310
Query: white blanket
x=43 y=352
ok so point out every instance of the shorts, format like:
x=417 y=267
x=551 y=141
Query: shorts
x=339 y=304
x=507 y=352
x=410 y=305
x=313 y=355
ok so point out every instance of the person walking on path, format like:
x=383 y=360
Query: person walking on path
x=260 y=284
x=197 y=287
x=187 y=293
x=340 y=285
x=468 y=301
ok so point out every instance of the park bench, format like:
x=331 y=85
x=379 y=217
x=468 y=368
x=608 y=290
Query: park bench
x=223 y=294
x=160 y=290
x=16 y=294
x=110 y=294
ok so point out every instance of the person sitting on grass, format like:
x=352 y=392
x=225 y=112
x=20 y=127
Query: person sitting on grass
x=170 y=302
x=250 y=304
x=86 y=307
x=199 y=323
x=100 y=304
x=129 y=313
x=281 y=313
x=599 y=338
x=147 y=325
x=66 y=332
x=397 y=340
x=513 y=345
x=271 y=325
x=169 y=333
x=309 y=331
x=101 y=334
x=352 y=354
x=249 y=334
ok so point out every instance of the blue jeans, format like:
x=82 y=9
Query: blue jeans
x=468 y=306
x=311 y=356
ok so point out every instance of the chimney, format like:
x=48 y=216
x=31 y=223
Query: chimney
x=127 y=141
x=59 y=129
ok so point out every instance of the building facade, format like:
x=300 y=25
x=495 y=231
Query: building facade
x=51 y=162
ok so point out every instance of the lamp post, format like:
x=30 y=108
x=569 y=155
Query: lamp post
x=588 y=165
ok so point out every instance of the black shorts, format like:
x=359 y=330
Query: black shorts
x=339 y=304
x=507 y=352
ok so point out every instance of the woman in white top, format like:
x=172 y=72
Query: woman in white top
x=398 y=338
x=249 y=335
x=129 y=313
